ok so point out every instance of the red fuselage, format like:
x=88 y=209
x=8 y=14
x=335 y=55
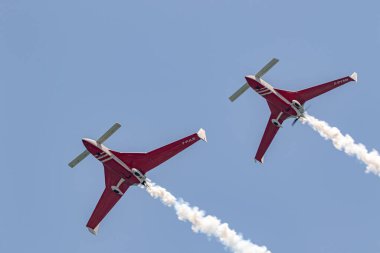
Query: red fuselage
x=284 y=104
x=110 y=161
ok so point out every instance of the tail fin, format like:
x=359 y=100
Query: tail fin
x=202 y=134
x=354 y=76
x=94 y=231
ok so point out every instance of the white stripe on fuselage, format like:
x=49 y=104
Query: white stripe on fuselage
x=112 y=156
x=107 y=159
x=102 y=156
x=266 y=93
x=270 y=87
x=262 y=91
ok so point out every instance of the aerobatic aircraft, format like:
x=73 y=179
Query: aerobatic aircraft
x=283 y=104
x=122 y=170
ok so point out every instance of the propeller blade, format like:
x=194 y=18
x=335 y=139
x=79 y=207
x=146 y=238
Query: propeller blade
x=295 y=121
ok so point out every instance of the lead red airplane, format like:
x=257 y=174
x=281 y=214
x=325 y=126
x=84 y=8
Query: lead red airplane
x=283 y=104
x=122 y=170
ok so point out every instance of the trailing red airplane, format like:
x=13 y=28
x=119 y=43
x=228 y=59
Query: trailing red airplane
x=121 y=170
x=283 y=104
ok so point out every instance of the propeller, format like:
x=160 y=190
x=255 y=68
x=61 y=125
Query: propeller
x=296 y=119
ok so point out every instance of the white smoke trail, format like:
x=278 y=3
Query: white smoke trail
x=345 y=143
x=207 y=224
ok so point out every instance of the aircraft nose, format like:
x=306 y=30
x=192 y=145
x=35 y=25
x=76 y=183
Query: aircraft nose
x=249 y=77
x=84 y=140
x=88 y=142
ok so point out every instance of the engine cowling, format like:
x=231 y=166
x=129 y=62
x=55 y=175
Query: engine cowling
x=298 y=105
x=139 y=175
x=276 y=123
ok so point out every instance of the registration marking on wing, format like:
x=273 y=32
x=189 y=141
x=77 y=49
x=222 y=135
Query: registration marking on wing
x=188 y=141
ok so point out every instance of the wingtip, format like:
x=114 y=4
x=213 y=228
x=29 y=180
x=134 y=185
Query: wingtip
x=202 y=134
x=354 y=76
x=259 y=160
x=94 y=231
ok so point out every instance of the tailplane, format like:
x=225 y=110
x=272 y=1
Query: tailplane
x=258 y=75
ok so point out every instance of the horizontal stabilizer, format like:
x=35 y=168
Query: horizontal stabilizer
x=102 y=139
x=266 y=68
x=258 y=75
x=202 y=134
x=239 y=92
x=107 y=134
x=79 y=158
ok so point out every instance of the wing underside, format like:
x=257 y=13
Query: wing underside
x=116 y=186
x=107 y=201
x=270 y=132
x=147 y=161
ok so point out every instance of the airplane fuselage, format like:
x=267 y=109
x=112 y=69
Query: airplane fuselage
x=281 y=101
x=284 y=102
x=124 y=169
x=104 y=155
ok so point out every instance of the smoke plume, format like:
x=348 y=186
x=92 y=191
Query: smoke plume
x=346 y=143
x=206 y=224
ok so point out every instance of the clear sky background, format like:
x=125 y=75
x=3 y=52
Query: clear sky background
x=163 y=69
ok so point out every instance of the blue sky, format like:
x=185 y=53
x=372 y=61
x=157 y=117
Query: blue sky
x=163 y=69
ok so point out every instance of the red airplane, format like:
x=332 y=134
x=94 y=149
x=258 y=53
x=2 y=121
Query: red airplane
x=283 y=104
x=121 y=170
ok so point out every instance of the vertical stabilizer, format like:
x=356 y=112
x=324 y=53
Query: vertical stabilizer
x=202 y=134
x=94 y=231
x=354 y=76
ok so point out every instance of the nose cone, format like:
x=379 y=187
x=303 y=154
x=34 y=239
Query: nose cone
x=92 y=146
x=250 y=77
x=88 y=143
